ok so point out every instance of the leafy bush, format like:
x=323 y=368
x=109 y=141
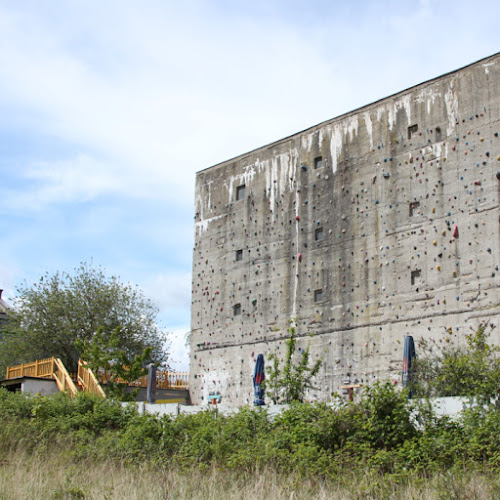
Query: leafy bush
x=472 y=371
x=376 y=434
x=291 y=381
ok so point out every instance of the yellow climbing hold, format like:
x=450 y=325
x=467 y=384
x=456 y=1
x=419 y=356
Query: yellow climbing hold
x=434 y=242
x=438 y=268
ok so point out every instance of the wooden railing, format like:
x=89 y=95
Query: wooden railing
x=41 y=368
x=53 y=368
x=63 y=380
x=172 y=380
x=87 y=380
x=164 y=380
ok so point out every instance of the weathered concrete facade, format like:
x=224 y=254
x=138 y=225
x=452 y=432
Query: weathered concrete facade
x=378 y=224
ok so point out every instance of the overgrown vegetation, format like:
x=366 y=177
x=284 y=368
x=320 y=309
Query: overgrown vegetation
x=291 y=381
x=472 y=371
x=313 y=440
x=104 y=355
x=383 y=446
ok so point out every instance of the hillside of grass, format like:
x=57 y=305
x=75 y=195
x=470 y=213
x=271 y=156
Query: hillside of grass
x=381 y=447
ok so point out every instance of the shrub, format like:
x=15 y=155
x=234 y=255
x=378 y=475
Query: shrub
x=472 y=371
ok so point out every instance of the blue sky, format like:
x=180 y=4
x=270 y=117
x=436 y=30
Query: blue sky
x=107 y=110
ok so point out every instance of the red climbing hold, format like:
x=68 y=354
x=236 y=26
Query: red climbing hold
x=455 y=232
x=299 y=257
x=297 y=217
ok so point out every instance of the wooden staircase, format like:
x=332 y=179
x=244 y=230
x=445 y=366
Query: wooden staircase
x=53 y=368
x=85 y=380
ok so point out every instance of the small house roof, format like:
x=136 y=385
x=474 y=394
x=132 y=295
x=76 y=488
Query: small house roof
x=4 y=307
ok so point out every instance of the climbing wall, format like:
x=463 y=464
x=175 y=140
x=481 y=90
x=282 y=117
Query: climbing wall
x=378 y=224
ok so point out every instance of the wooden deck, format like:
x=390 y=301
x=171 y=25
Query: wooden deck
x=86 y=380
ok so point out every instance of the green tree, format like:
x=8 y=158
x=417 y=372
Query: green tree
x=104 y=355
x=471 y=371
x=61 y=308
x=291 y=381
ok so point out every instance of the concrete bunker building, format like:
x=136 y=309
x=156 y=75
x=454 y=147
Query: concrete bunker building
x=377 y=224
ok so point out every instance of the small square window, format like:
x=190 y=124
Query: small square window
x=319 y=234
x=318 y=162
x=414 y=206
x=416 y=277
x=412 y=129
x=439 y=134
x=318 y=295
x=236 y=309
x=239 y=255
x=240 y=192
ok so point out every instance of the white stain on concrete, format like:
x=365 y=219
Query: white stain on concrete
x=336 y=141
x=280 y=173
x=202 y=225
x=486 y=65
x=428 y=95
x=403 y=102
x=369 y=127
x=451 y=101
x=306 y=141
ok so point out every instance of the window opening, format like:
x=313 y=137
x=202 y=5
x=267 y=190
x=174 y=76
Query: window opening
x=318 y=295
x=416 y=277
x=239 y=255
x=319 y=234
x=236 y=309
x=414 y=207
x=412 y=129
x=438 y=134
x=318 y=162
x=240 y=192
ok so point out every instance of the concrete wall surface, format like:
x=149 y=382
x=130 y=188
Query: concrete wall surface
x=375 y=225
x=450 y=406
x=178 y=409
x=39 y=386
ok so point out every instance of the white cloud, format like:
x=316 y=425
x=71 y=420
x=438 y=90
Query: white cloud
x=179 y=352
x=150 y=94
x=7 y=282
x=169 y=291
x=80 y=179
x=174 y=105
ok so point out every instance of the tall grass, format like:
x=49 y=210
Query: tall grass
x=89 y=448
x=25 y=476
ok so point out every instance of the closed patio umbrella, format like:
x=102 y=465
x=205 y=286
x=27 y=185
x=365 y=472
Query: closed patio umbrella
x=258 y=379
x=408 y=359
